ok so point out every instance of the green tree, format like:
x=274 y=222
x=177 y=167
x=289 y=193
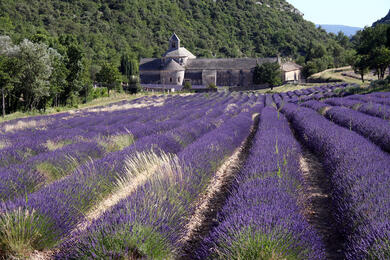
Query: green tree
x=8 y=68
x=109 y=76
x=373 y=43
x=361 y=66
x=35 y=73
x=267 y=73
x=130 y=70
x=380 y=60
x=75 y=66
x=58 y=77
x=128 y=67
x=5 y=80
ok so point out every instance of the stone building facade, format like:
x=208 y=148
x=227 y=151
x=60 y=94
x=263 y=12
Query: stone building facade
x=179 y=65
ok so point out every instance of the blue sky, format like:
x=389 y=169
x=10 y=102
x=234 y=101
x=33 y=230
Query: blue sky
x=358 y=13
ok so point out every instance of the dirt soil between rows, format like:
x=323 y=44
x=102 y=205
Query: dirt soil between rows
x=212 y=201
x=318 y=204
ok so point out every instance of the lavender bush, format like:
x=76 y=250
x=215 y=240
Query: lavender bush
x=359 y=175
x=262 y=219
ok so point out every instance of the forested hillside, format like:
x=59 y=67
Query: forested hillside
x=107 y=28
x=385 y=19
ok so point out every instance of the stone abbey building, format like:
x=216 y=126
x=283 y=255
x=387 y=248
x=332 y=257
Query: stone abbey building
x=179 y=65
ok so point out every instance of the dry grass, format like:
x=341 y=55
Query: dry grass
x=114 y=97
x=3 y=144
x=52 y=146
x=287 y=87
x=21 y=125
x=146 y=103
x=139 y=168
x=116 y=142
x=23 y=231
x=335 y=74
x=323 y=110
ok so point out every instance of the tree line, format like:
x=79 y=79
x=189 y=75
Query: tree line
x=47 y=71
x=372 y=47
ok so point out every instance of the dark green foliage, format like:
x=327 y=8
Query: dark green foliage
x=320 y=57
x=384 y=20
x=108 y=28
x=86 y=33
x=7 y=69
x=187 y=86
x=129 y=67
x=74 y=66
x=375 y=86
x=268 y=73
x=109 y=76
x=372 y=46
x=361 y=66
x=130 y=70
x=212 y=87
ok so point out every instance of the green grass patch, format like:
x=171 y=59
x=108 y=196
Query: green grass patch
x=116 y=142
x=251 y=244
x=130 y=241
x=22 y=231
x=375 y=86
x=56 y=145
x=54 y=172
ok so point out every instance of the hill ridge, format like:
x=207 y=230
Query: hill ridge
x=209 y=28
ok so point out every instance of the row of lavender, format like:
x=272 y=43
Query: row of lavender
x=76 y=195
x=358 y=168
x=84 y=140
x=61 y=205
x=263 y=219
x=150 y=222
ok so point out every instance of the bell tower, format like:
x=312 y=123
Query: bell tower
x=174 y=42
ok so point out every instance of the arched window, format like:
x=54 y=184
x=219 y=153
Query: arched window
x=173 y=45
x=170 y=80
x=178 y=80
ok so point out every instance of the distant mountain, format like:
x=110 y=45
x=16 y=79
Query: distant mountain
x=385 y=19
x=347 y=30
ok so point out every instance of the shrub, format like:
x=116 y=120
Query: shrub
x=187 y=86
x=22 y=231
x=212 y=87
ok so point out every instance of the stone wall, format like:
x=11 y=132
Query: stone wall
x=219 y=77
x=234 y=78
x=209 y=77
x=172 y=77
x=194 y=76
x=150 y=77
x=294 y=75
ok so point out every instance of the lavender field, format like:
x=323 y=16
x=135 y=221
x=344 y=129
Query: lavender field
x=296 y=175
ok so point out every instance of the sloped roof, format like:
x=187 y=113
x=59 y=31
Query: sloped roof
x=150 y=64
x=180 y=52
x=290 y=66
x=226 y=64
x=214 y=64
x=173 y=66
x=174 y=37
